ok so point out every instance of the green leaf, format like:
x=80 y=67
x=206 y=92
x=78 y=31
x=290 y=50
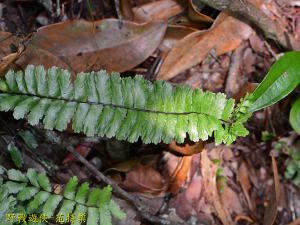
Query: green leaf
x=16 y=175
x=70 y=188
x=15 y=155
x=28 y=138
x=282 y=79
x=93 y=197
x=67 y=208
x=44 y=182
x=295 y=116
x=105 y=215
x=32 y=175
x=105 y=196
x=51 y=204
x=38 y=200
x=82 y=193
x=27 y=193
x=93 y=216
x=115 y=210
x=97 y=103
x=14 y=187
x=79 y=209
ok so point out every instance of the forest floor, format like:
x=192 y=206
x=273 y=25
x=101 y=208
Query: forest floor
x=183 y=42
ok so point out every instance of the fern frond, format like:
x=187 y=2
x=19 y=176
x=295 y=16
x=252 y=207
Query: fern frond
x=126 y=108
x=34 y=191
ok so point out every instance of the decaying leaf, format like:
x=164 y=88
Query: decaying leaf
x=145 y=180
x=158 y=10
x=196 y=16
x=104 y=44
x=271 y=210
x=226 y=34
x=242 y=177
x=211 y=193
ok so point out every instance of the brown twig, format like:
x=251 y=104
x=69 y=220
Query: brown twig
x=250 y=13
x=135 y=201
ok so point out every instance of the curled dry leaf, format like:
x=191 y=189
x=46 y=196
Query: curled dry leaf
x=145 y=180
x=211 y=193
x=159 y=10
x=271 y=210
x=196 y=16
x=174 y=34
x=243 y=178
x=105 y=44
x=225 y=35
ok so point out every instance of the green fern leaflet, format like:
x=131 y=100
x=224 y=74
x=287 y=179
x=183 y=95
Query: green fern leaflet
x=34 y=193
x=98 y=104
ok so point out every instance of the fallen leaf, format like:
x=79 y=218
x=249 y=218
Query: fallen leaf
x=145 y=180
x=126 y=9
x=243 y=178
x=9 y=59
x=83 y=149
x=159 y=10
x=231 y=201
x=271 y=210
x=104 y=44
x=225 y=35
x=295 y=222
x=211 y=193
x=197 y=16
x=180 y=174
x=174 y=34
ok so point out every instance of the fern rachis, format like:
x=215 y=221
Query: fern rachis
x=126 y=108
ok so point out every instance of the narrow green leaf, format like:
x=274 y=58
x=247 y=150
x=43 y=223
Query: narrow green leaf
x=105 y=196
x=15 y=155
x=282 y=78
x=28 y=138
x=93 y=216
x=51 y=204
x=67 y=208
x=70 y=188
x=38 y=200
x=44 y=182
x=93 y=197
x=115 y=210
x=80 y=210
x=32 y=175
x=295 y=116
x=82 y=193
x=105 y=215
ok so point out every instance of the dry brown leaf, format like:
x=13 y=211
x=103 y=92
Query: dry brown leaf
x=295 y=222
x=9 y=59
x=225 y=35
x=231 y=201
x=180 y=174
x=243 y=178
x=271 y=210
x=196 y=16
x=159 y=10
x=38 y=56
x=145 y=180
x=105 y=44
x=126 y=9
x=211 y=193
x=174 y=34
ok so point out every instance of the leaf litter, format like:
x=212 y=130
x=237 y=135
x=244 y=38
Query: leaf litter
x=132 y=44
